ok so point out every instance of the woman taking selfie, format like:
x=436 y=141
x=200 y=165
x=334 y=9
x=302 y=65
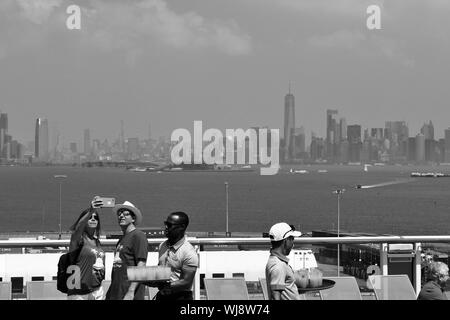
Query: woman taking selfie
x=86 y=281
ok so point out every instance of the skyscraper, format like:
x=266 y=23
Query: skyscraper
x=289 y=125
x=355 y=144
x=447 y=146
x=332 y=134
x=41 y=139
x=299 y=142
x=428 y=131
x=2 y=142
x=87 y=142
x=149 y=131
x=420 y=148
x=4 y=122
x=122 y=137
x=3 y=133
x=397 y=133
x=343 y=129
x=73 y=147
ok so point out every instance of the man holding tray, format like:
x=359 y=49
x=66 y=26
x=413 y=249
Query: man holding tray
x=178 y=254
x=279 y=274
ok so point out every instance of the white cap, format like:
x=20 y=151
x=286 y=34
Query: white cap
x=281 y=231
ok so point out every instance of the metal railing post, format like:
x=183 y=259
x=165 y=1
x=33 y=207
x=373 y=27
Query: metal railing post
x=418 y=268
x=384 y=258
x=197 y=276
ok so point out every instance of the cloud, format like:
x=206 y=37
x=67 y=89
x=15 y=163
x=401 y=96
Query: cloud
x=153 y=20
x=339 y=39
x=355 y=8
x=392 y=50
x=362 y=45
x=38 y=11
x=128 y=27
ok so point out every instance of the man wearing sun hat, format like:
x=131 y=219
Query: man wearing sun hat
x=279 y=274
x=131 y=250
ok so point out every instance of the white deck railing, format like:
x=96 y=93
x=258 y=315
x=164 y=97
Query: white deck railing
x=383 y=242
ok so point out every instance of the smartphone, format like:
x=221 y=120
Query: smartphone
x=107 y=202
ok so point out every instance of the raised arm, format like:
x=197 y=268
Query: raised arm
x=79 y=225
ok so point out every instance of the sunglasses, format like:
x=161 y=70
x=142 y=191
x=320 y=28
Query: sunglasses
x=95 y=217
x=125 y=213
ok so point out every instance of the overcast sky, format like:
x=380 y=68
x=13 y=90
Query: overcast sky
x=228 y=63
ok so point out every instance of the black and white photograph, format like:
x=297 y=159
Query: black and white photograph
x=249 y=150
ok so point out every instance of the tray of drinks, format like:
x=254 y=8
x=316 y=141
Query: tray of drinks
x=326 y=284
x=154 y=283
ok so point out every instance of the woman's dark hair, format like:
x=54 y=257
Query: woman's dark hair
x=97 y=229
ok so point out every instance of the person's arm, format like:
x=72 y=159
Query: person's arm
x=132 y=288
x=185 y=282
x=188 y=270
x=276 y=295
x=277 y=282
x=80 y=224
x=77 y=233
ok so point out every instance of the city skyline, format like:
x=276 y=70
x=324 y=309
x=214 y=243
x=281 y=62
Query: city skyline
x=169 y=63
x=342 y=143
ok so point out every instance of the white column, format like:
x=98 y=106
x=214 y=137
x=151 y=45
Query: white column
x=417 y=274
x=384 y=258
x=197 y=276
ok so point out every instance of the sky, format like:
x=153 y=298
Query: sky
x=164 y=64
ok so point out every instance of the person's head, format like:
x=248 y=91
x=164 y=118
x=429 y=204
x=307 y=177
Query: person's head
x=127 y=214
x=439 y=272
x=92 y=227
x=175 y=225
x=282 y=237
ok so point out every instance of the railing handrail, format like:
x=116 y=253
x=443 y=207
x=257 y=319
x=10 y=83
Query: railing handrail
x=239 y=241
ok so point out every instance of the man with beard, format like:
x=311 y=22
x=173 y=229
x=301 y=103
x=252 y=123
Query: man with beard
x=279 y=274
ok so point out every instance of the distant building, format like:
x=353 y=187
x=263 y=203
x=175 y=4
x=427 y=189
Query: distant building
x=317 y=148
x=41 y=139
x=133 y=148
x=343 y=129
x=377 y=133
x=397 y=133
x=333 y=135
x=411 y=154
x=441 y=148
x=3 y=133
x=289 y=125
x=258 y=144
x=447 y=146
x=73 y=147
x=420 y=148
x=87 y=142
x=428 y=131
x=355 y=144
x=4 y=121
x=299 y=143
x=366 y=150
x=343 y=151
x=2 y=143
x=96 y=147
